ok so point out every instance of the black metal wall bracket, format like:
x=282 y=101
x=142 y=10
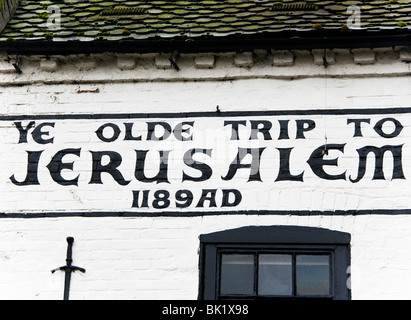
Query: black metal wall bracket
x=16 y=64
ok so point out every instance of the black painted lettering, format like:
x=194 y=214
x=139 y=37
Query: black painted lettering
x=304 y=126
x=33 y=158
x=113 y=137
x=144 y=203
x=110 y=167
x=283 y=130
x=161 y=199
x=162 y=175
x=24 y=131
x=182 y=133
x=151 y=131
x=260 y=126
x=57 y=165
x=136 y=196
x=397 y=128
x=284 y=172
x=205 y=169
x=396 y=151
x=38 y=134
x=234 y=128
x=357 y=125
x=208 y=195
x=254 y=166
x=129 y=133
x=317 y=162
x=184 y=198
x=231 y=198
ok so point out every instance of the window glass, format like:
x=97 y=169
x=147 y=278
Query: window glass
x=274 y=262
x=313 y=275
x=275 y=274
x=237 y=274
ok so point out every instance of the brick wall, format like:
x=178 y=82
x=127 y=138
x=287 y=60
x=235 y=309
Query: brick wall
x=146 y=256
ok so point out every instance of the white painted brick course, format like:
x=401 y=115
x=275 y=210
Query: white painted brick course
x=405 y=54
x=204 y=61
x=245 y=60
x=6 y=67
x=126 y=63
x=50 y=65
x=319 y=57
x=163 y=62
x=364 y=56
x=283 y=58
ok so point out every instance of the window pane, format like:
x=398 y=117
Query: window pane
x=313 y=275
x=275 y=274
x=237 y=274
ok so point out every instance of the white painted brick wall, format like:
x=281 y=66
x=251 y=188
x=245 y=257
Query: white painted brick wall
x=157 y=257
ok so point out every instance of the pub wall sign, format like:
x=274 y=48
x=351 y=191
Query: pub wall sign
x=205 y=163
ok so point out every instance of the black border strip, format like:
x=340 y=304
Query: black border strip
x=208 y=114
x=96 y=214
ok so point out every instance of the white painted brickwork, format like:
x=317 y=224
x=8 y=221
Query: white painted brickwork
x=157 y=257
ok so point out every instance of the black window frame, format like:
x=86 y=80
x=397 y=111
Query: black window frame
x=274 y=239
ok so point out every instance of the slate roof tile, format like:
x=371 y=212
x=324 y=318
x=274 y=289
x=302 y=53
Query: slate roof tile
x=144 y=19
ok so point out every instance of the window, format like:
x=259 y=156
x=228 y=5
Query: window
x=274 y=262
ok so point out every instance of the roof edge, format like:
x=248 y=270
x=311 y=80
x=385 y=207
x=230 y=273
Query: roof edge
x=291 y=40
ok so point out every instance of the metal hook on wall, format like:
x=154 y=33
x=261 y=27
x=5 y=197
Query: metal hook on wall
x=16 y=64
x=325 y=150
x=172 y=60
x=325 y=62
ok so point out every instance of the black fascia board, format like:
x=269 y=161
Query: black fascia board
x=277 y=234
x=288 y=40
